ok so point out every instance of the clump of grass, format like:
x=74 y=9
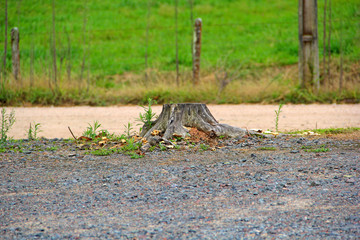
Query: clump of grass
x=7 y=121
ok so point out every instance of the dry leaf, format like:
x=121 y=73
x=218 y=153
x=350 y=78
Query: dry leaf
x=84 y=138
x=177 y=135
x=155 y=133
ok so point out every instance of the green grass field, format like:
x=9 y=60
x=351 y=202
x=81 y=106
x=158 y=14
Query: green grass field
x=256 y=38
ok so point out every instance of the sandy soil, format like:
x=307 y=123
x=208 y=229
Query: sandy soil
x=55 y=120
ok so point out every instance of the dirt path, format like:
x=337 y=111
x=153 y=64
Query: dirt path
x=55 y=120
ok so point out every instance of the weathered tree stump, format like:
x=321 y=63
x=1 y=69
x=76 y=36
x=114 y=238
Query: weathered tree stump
x=175 y=117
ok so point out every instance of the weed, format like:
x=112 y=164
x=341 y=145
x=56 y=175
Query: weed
x=267 y=148
x=152 y=148
x=321 y=148
x=7 y=121
x=146 y=118
x=306 y=147
x=128 y=130
x=162 y=147
x=102 y=152
x=91 y=130
x=277 y=115
x=52 y=148
x=134 y=155
x=204 y=147
x=317 y=150
x=130 y=146
x=178 y=139
x=33 y=131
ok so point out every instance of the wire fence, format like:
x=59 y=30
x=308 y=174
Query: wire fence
x=96 y=43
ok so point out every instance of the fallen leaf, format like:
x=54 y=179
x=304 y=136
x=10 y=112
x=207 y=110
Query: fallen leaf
x=155 y=133
x=257 y=130
x=85 y=138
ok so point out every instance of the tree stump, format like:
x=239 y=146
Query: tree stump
x=174 y=118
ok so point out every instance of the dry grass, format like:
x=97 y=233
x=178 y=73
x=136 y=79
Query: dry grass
x=255 y=85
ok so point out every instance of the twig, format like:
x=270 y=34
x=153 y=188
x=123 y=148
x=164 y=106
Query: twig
x=72 y=133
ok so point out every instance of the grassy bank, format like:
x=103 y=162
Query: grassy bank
x=271 y=85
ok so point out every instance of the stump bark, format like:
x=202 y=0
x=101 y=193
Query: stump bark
x=174 y=118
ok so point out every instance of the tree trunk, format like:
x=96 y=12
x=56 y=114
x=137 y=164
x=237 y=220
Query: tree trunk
x=174 y=118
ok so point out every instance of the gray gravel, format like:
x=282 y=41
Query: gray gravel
x=252 y=188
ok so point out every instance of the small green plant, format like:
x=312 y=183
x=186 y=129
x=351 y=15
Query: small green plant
x=277 y=115
x=52 y=148
x=33 y=131
x=306 y=147
x=317 y=150
x=134 y=155
x=91 y=130
x=128 y=130
x=130 y=146
x=267 y=148
x=152 y=148
x=204 y=147
x=146 y=118
x=102 y=152
x=7 y=121
x=162 y=147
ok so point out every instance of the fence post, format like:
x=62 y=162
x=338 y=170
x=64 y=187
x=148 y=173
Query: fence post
x=5 y=48
x=308 y=45
x=15 y=52
x=197 y=51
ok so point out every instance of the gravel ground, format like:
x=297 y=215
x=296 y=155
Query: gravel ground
x=287 y=187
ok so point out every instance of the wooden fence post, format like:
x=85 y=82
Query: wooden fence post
x=15 y=52
x=308 y=45
x=5 y=48
x=197 y=51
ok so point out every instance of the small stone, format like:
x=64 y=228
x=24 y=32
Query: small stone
x=294 y=151
x=350 y=180
x=314 y=184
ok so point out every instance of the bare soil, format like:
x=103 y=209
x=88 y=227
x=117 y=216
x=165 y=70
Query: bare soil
x=55 y=120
